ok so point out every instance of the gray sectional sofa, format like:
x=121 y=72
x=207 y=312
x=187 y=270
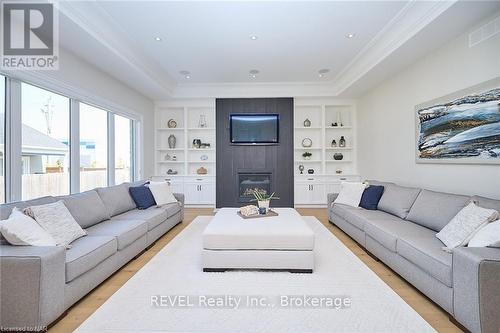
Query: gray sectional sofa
x=402 y=234
x=37 y=284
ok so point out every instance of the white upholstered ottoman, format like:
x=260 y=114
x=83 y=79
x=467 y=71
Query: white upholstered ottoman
x=283 y=242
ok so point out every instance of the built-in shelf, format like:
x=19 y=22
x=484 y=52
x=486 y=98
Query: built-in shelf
x=338 y=127
x=202 y=162
x=308 y=161
x=170 y=129
x=308 y=128
x=170 y=149
x=338 y=148
x=310 y=148
x=201 y=129
x=338 y=161
x=170 y=162
x=201 y=149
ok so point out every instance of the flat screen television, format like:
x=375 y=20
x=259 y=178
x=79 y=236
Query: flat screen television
x=254 y=128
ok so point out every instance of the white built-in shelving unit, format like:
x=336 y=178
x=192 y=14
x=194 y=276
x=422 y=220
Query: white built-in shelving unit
x=199 y=190
x=311 y=189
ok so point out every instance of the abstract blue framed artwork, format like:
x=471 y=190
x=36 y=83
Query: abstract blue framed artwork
x=463 y=127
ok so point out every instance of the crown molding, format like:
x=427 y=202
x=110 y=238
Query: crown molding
x=101 y=26
x=411 y=19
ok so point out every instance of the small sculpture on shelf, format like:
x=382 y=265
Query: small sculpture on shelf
x=204 y=157
x=310 y=171
x=307 y=142
x=171 y=172
x=202 y=123
x=174 y=157
x=334 y=143
x=338 y=171
x=306 y=155
x=342 y=142
x=202 y=171
x=196 y=143
x=338 y=156
x=172 y=141
x=171 y=123
x=301 y=169
x=307 y=123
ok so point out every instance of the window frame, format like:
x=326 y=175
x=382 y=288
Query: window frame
x=13 y=131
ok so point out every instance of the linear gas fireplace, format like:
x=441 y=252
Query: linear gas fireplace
x=248 y=183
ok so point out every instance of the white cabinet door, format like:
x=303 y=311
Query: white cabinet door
x=317 y=195
x=302 y=194
x=207 y=194
x=191 y=193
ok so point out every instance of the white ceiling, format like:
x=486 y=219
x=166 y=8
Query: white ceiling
x=295 y=40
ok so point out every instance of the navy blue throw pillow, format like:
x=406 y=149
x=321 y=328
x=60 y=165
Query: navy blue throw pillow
x=142 y=196
x=371 y=196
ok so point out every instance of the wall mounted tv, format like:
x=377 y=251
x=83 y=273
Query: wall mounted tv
x=254 y=129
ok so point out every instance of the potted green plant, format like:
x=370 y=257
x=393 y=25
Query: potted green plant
x=307 y=155
x=263 y=198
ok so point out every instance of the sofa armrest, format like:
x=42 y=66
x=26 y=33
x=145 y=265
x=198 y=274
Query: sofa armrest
x=476 y=277
x=180 y=198
x=32 y=280
x=331 y=198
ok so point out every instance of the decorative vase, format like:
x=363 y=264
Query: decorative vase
x=334 y=143
x=338 y=156
x=171 y=141
x=307 y=123
x=203 y=121
x=264 y=204
x=342 y=142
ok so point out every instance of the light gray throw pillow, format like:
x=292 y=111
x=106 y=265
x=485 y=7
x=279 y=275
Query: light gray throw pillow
x=465 y=225
x=397 y=200
x=56 y=219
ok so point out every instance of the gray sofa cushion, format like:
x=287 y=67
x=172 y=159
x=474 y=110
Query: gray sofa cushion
x=378 y=183
x=116 y=199
x=87 y=208
x=425 y=251
x=397 y=200
x=387 y=232
x=153 y=216
x=435 y=209
x=6 y=209
x=359 y=216
x=86 y=253
x=125 y=231
x=487 y=202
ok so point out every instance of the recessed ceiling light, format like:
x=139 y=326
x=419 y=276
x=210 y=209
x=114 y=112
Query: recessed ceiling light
x=253 y=37
x=350 y=35
x=158 y=39
x=253 y=73
x=188 y=77
x=323 y=71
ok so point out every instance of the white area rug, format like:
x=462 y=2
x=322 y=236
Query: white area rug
x=176 y=270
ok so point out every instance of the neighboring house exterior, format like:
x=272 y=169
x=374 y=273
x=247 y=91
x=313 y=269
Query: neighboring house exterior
x=38 y=150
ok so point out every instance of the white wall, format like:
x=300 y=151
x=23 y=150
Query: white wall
x=79 y=79
x=386 y=119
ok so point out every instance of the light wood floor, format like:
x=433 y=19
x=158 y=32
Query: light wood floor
x=432 y=313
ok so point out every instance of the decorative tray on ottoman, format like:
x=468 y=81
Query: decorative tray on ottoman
x=256 y=216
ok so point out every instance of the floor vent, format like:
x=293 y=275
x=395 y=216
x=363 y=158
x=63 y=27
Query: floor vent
x=481 y=34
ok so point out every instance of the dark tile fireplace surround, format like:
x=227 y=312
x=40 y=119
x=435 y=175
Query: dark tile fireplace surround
x=244 y=168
